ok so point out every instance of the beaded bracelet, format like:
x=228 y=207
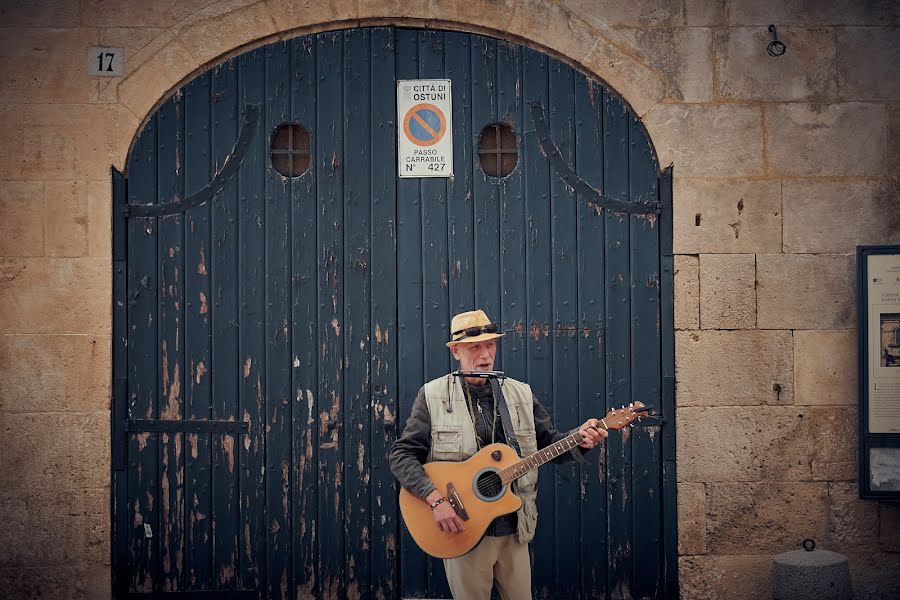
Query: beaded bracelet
x=436 y=502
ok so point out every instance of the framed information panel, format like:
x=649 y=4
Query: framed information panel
x=878 y=332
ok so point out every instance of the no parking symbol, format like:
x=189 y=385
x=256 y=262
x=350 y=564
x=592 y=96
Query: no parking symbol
x=424 y=110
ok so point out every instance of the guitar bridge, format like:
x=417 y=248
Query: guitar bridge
x=456 y=503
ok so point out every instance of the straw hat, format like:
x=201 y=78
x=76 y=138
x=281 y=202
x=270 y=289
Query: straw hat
x=472 y=326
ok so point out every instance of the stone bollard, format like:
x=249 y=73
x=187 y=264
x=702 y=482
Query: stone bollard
x=811 y=574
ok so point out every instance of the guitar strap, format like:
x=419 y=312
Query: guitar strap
x=503 y=409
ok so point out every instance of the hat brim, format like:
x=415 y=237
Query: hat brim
x=482 y=337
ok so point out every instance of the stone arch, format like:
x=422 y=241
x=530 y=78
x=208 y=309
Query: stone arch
x=226 y=29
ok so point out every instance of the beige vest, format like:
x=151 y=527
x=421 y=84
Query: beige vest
x=453 y=436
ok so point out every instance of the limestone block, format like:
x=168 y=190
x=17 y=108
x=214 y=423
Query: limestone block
x=727 y=216
x=691 y=518
x=134 y=41
x=741 y=577
x=58 y=582
x=54 y=373
x=687 y=292
x=803 y=291
x=765 y=517
x=777 y=443
x=803 y=139
x=647 y=13
x=66 y=224
x=373 y=9
x=809 y=12
x=217 y=29
x=865 y=58
x=683 y=55
x=99 y=215
x=727 y=291
x=712 y=141
x=38 y=13
x=875 y=575
x=51 y=527
x=698 y=13
x=493 y=14
x=155 y=70
x=63 y=451
x=293 y=14
x=837 y=216
x=733 y=368
x=889 y=527
x=21 y=218
x=825 y=367
x=63 y=141
x=53 y=295
x=852 y=523
x=745 y=71
x=161 y=13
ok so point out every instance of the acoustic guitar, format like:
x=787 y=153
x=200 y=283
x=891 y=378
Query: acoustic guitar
x=479 y=490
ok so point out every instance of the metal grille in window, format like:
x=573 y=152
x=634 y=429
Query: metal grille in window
x=290 y=150
x=497 y=151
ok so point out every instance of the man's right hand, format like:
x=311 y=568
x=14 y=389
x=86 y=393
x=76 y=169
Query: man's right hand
x=444 y=515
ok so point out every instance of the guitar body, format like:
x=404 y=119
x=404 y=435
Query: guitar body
x=480 y=505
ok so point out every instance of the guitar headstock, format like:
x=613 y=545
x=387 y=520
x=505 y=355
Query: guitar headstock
x=622 y=417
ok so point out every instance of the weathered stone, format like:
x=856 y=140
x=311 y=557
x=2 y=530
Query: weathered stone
x=161 y=13
x=742 y=443
x=62 y=141
x=809 y=12
x=852 y=523
x=373 y=9
x=837 y=216
x=293 y=14
x=801 y=139
x=745 y=71
x=647 y=13
x=802 y=291
x=727 y=216
x=687 y=292
x=38 y=13
x=713 y=141
x=835 y=434
x=54 y=373
x=57 y=582
x=691 y=518
x=889 y=527
x=213 y=31
x=39 y=295
x=683 y=54
x=893 y=158
x=99 y=214
x=765 y=517
x=66 y=225
x=133 y=41
x=21 y=218
x=875 y=575
x=742 y=577
x=705 y=13
x=866 y=57
x=733 y=368
x=727 y=291
x=154 y=72
x=63 y=451
x=51 y=527
x=825 y=367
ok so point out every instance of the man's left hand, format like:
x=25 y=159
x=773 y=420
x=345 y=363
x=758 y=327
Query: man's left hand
x=592 y=433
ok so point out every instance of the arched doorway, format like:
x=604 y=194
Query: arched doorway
x=281 y=295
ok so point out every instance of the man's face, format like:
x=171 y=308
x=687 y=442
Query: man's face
x=475 y=356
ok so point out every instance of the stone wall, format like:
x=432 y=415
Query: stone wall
x=783 y=165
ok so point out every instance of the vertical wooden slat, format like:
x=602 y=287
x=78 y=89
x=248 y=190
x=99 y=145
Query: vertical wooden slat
x=143 y=324
x=618 y=349
x=383 y=340
x=565 y=316
x=304 y=337
x=330 y=167
x=119 y=443
x=197 y=301
x=226 y=366
x=279 y=526
x=357 y=295
x=460 y=214
x=539 y=285
x=591 y=307
x=170 y=177
x=252 y=290
x=409 y=308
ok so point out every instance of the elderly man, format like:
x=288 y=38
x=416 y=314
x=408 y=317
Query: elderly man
x=435 y=431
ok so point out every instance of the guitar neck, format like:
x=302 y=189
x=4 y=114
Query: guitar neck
x=541 y=457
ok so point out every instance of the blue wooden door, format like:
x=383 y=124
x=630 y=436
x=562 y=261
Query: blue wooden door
x=272 y=330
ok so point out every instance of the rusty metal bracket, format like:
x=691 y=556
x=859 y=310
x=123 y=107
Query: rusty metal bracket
x=572 y=180
x=229 y=169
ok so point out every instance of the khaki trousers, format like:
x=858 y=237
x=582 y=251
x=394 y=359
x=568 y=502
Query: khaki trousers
x=504 y=559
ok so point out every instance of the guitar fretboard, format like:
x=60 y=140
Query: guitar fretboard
x=533 y=461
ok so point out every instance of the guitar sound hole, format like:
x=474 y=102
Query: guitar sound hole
x=489 y=485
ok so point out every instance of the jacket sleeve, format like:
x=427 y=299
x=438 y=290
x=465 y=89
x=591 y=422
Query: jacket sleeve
x=547 y=434
x=410 y=450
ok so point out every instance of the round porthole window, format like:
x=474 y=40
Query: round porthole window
x=497 y=152
x=290 y=150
